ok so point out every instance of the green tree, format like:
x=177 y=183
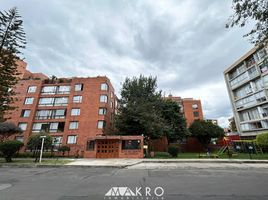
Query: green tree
x=7 y=129
x=12 y=40
x=262 y=139
x=251 y=10
x=204 y=131
x=34 y=143
x=9 y=148
x=174 y=123
x=138 y=113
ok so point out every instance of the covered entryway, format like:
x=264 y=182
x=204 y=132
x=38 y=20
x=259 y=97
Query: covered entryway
x=107 y=148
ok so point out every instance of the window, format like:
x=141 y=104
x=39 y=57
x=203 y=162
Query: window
x=111 y=104
x=57 y=141
x=49 y=90
x=196 y=114
x=28 y=100
x=31 y=89
x=78 y=87
x=103 y=98
x=104 y=86
x=131 y=144
x=101 y=124
x=19 y=138
x=75 y=111
x=102 y=111
x=22 y=126
x=46 y=101
x=90 y=145
x=63 y=90
x=73 y=125
x=61 y=101
x=59 y=114
x=77 y=99
x=25 y=113
x=195 y=106
x=43 y=114
x=71 y=139
x=49 y=127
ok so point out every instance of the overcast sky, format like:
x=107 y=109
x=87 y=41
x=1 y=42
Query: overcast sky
x=182 y=42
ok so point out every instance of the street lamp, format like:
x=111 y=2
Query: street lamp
x=42 y=146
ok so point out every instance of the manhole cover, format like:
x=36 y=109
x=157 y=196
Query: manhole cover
x=5 y=186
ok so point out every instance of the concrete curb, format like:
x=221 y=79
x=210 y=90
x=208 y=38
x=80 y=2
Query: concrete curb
x=230 y=161
x=234 y=161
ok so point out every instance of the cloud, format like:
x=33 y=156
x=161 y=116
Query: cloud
x=183 y=43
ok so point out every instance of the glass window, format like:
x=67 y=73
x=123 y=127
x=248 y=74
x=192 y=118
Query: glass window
x=28 y=100
x=37 y=127
x=43 y=114
x=31 y=89
x=53 y=127
x=77 y=99
x=71 y=139
x=195 y=106
x=90 y=145
x=63 y=90
x=22 y=126
x=131 y=144
x=104 y=86
x=196 y=114
x=57 y=141
x=49 y=90
x=75 y=111
x=101 y=124
x=78 y=87
x=25 y=113
x=19 y=138
x=73 y=125
x=102 y=111
x=103 y=98
x=59 y=114
x=46 y=101
x=61 y=101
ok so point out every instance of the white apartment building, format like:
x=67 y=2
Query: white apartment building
x=247 y=84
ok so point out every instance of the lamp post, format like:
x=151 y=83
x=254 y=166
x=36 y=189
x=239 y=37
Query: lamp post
x=42 y=146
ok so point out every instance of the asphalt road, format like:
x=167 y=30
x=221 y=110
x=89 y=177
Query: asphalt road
x=178 y=182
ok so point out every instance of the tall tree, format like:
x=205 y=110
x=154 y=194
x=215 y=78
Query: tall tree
x=12 y=40
x=204 y=131
x=251 y=10
x=174 y=123
x=138 y=113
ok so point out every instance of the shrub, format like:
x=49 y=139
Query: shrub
x=9 y=148
x=262 y=139
x=63 y=149
x=173 y=151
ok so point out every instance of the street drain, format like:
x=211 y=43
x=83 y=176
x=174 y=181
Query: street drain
x=5 y=186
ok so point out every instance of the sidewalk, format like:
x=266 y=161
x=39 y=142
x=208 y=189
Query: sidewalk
x=121 y=163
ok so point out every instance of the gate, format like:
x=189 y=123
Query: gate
x=107 y=148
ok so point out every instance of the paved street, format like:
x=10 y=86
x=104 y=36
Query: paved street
x=180 y=181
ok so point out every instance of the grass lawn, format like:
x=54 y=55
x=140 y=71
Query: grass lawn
x=223 y=156
x=30 y=161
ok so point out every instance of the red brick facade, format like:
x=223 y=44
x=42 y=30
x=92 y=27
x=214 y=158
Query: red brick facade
x=191 y=108
x=74 y=111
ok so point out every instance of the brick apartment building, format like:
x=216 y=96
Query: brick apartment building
x=190 y=108
x=77 y=112
x=247 y=84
